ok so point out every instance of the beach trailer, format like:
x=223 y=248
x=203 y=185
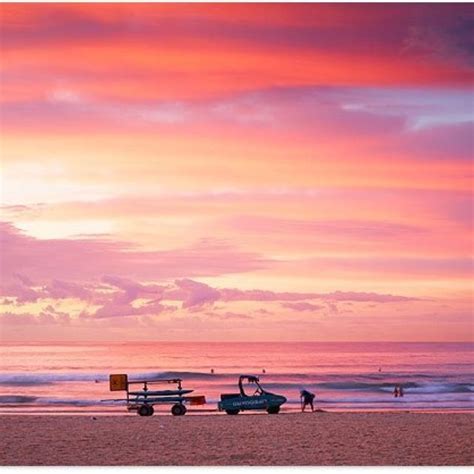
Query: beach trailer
x=143 y=400
x=233 y=403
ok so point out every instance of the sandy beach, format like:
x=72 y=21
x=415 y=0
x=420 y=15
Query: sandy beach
x=285 y=439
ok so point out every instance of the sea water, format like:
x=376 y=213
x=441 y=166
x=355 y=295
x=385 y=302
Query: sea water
x=344 y=376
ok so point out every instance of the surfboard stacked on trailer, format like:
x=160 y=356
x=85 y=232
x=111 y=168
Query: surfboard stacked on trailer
x=142 y=401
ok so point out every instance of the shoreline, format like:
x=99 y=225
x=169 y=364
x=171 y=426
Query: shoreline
x=215 y=412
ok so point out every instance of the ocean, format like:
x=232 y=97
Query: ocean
x=73 y=377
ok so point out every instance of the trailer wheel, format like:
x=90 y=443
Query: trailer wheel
x=144 y=410
x=273 y=410
x=178 y=409
x=232 y=412
x=151 y=410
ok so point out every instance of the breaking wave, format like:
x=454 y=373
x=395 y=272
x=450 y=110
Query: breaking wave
x=417 y=383
x=22 y=379
x=16 y=399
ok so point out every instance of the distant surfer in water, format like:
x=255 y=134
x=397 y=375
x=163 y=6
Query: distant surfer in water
x=398 y=391
x=307 y=399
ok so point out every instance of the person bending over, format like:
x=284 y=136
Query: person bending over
x=307 y=399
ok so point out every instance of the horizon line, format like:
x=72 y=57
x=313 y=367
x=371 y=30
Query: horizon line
x=229 y=342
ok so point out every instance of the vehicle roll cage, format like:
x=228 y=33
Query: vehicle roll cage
x=250 y=379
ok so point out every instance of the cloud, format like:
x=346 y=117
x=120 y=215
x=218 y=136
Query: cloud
x=234 y=294
x=193 y=294
x=16 y=209
x=225 y=205
x=348 y=229
x=266 y=295
x=59 y=289
x=24 y=290
x=132 y=289
x=438 y=141
x=302 y=306
x=65 y=96
x=52 y=316
x=120 y=304
x=89 y=259
x=428 y=268
x=111 y=303
x=228 y=315
x=46 y=317
x=24 y=279
x=156 y=45
x=116 y=308
x=14 y=319
x=197 y=294
x=298 y=109
x=451 y=41
x=16 y=287
x=367 y=297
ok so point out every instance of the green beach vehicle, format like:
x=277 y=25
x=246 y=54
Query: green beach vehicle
x=233 y=403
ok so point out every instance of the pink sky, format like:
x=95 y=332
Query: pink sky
x=236 y=172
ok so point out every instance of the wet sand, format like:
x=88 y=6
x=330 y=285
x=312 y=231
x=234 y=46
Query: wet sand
x=284 y=439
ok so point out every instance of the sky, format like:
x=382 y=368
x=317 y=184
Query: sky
x=236 y=172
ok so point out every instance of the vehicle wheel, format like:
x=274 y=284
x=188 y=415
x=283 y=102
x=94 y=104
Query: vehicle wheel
x=273 y=410
x=144 y=410
x=151 y=410
x=178 y=409
x=232 y=412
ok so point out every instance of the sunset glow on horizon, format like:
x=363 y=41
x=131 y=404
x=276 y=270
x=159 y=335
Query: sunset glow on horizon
x=236 y=172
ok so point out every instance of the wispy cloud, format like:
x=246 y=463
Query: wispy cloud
x=80 y=259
